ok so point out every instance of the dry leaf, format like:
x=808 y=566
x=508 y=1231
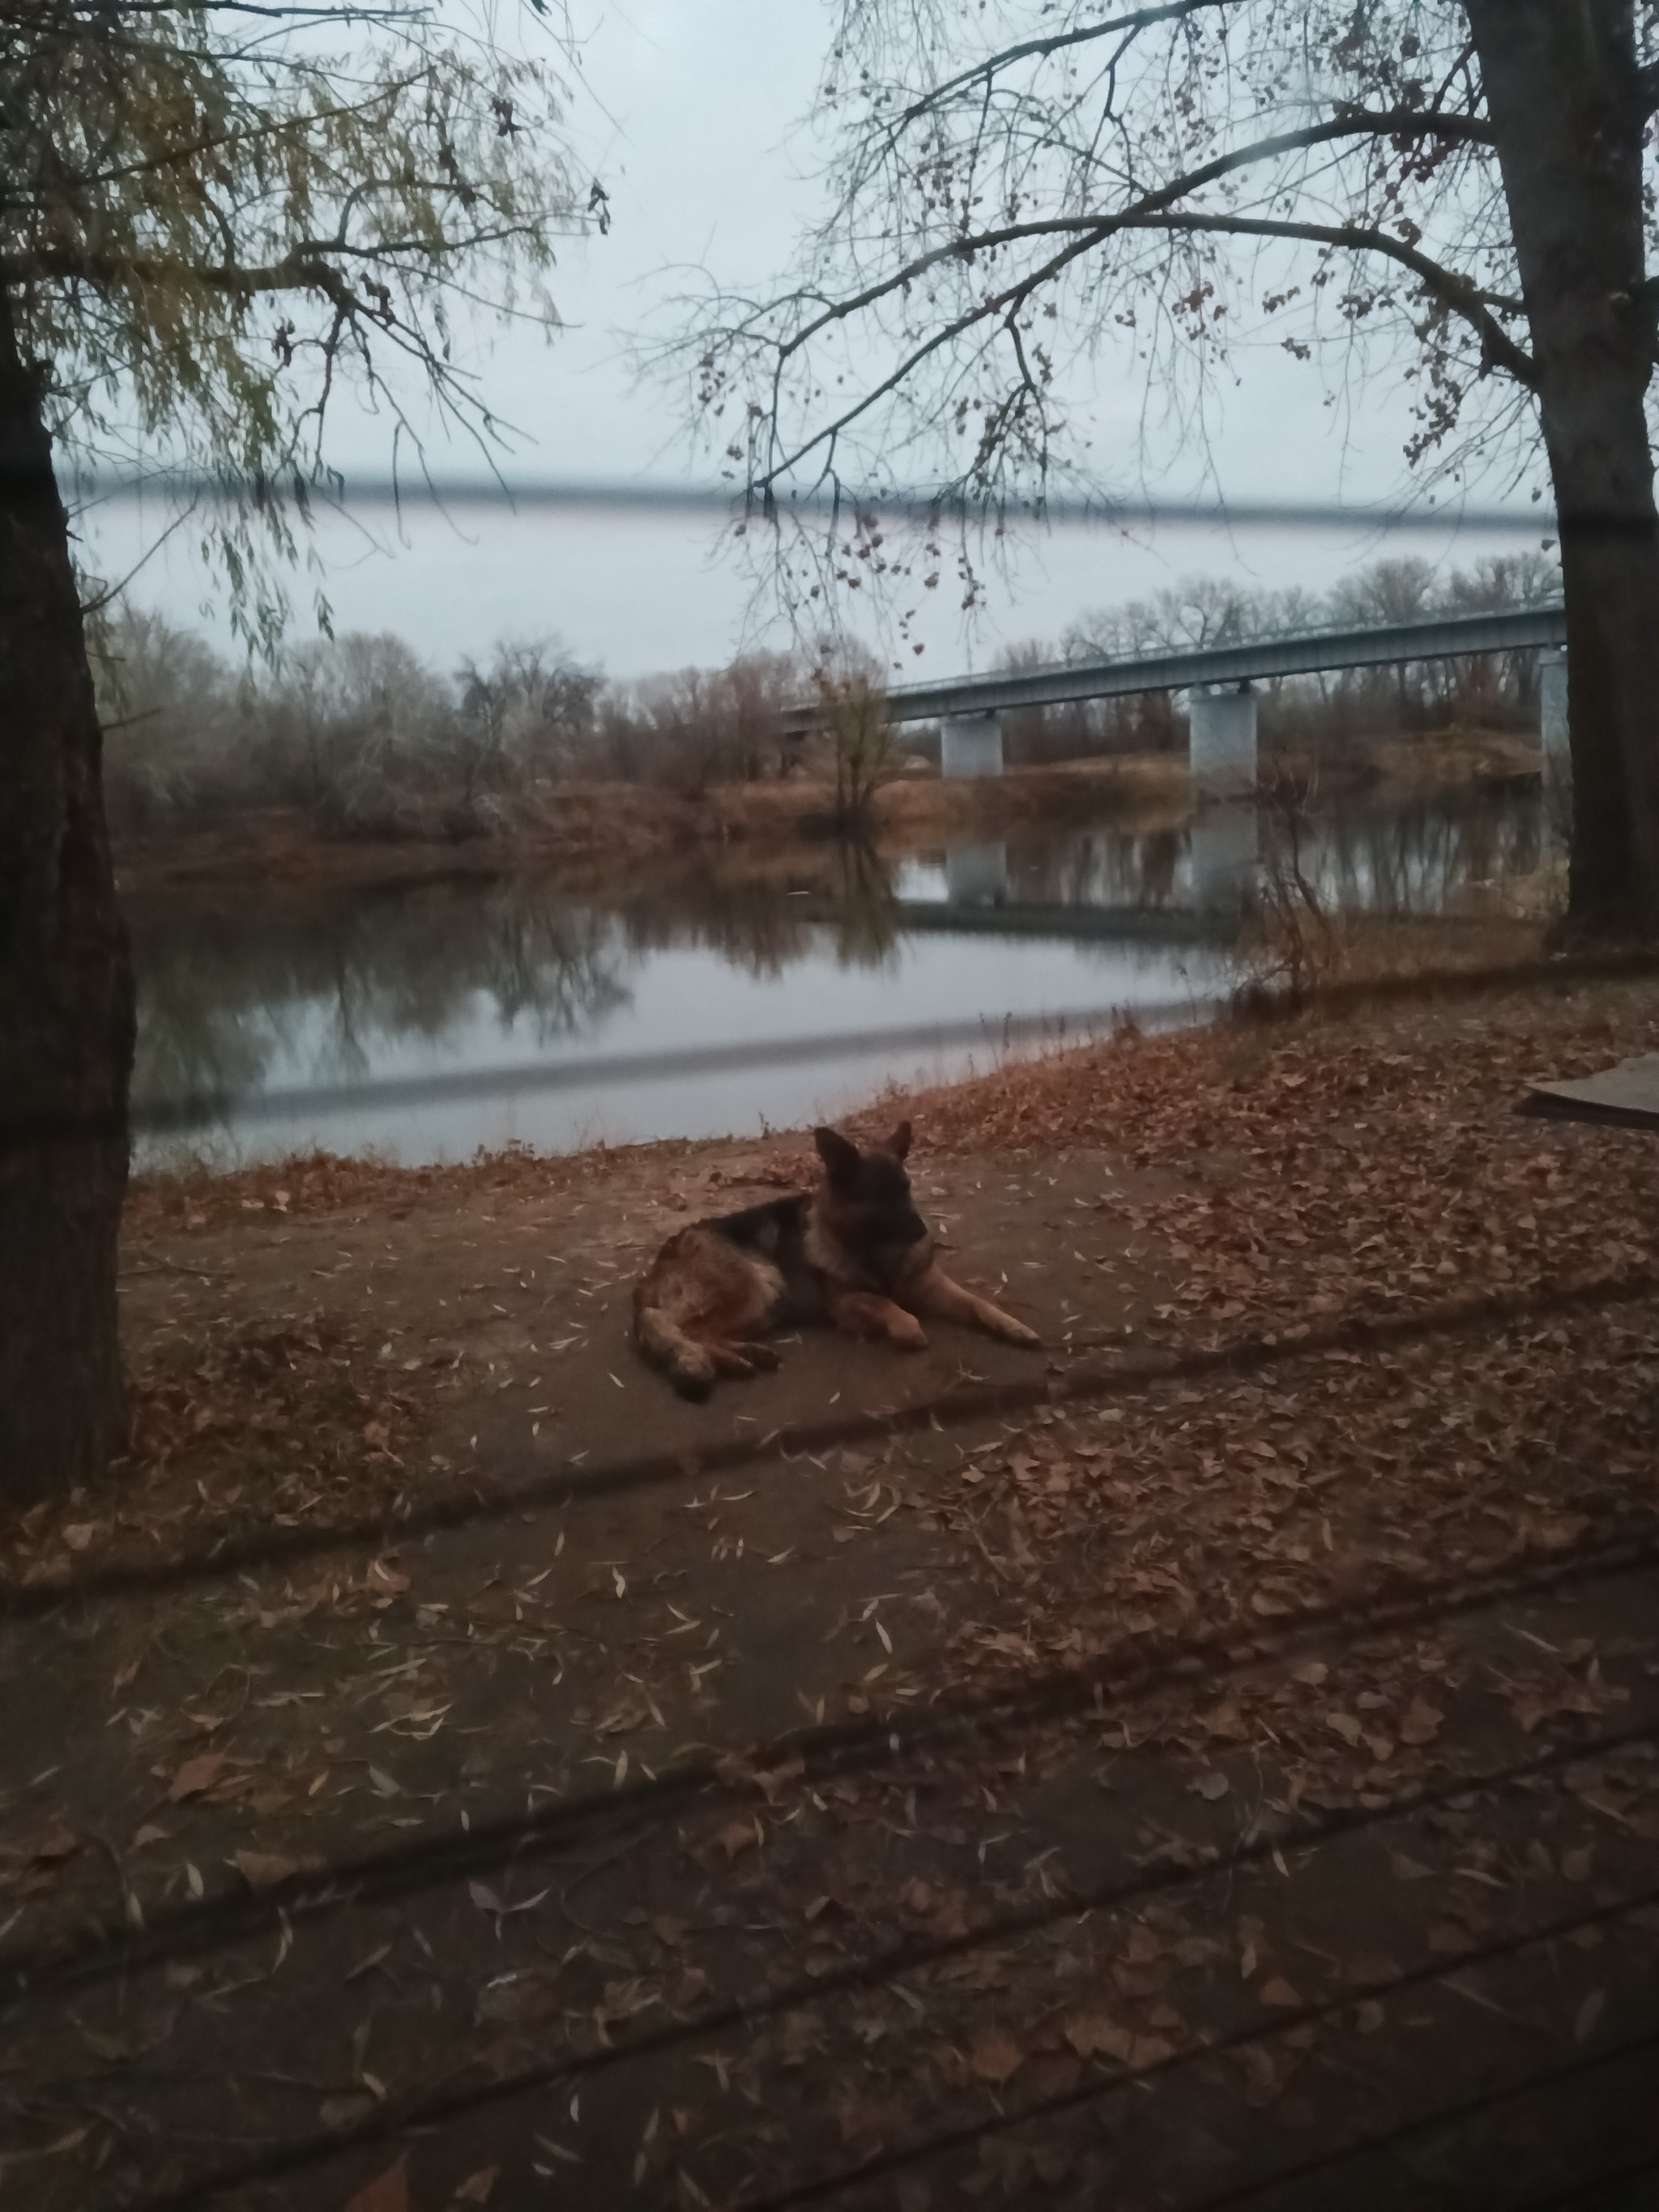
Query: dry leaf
x=198 y=1775
x=389 y=2194
x=58 y=1843
x=345 y=2111
x=479 y=2187
x=1279 y=1992
x=739 y=1836
x=1212 y=1785
x=1421 y=1723
x=264 y=1869
x=995 y=2056
x=1150 y=2051
x=1448 y=1941
x=1092 y=2035
x=801 y=2038
x=1346 y=1726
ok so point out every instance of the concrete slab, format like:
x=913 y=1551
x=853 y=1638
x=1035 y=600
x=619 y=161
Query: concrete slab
x=1628 y=1093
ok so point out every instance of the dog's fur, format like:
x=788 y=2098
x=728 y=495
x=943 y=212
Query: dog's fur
x=855 y=1253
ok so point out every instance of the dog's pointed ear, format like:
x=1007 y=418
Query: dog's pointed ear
x=899 y=1143
x=839 y=1154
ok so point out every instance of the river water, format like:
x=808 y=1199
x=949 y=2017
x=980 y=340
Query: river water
x=424 y=1020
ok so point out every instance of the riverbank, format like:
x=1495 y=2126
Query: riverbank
x=462 y=1761
x=584 y=833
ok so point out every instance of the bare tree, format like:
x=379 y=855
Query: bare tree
x=1024 y=194
x=853 y=712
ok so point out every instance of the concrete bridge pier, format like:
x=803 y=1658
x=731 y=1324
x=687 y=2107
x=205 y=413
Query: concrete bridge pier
x=969 y=745
x=1557 y=746
x=1221 y=743
x=976 y=875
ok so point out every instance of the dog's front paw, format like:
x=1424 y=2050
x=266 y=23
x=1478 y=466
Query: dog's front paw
x=913 y=1338
x=1017 y=1332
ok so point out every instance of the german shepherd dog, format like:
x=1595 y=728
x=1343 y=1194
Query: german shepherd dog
x=855 y=1252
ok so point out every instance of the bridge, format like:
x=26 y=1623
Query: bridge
x=1314 y=652
x=1222 y=755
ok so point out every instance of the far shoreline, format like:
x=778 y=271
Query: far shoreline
x=585 y=831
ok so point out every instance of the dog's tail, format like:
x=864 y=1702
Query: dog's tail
x=687 y=1364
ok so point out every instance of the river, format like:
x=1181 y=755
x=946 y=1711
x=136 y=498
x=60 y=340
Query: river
x=715 y=997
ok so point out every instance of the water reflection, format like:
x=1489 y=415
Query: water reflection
x=273 y=991
x=1422 y=858
x=227 y=990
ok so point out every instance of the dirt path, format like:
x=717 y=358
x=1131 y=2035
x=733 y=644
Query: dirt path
x=1281 y=1729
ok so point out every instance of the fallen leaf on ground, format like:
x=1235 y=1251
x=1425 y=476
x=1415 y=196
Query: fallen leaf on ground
x=58 y=1843
x=389 y=2194
x=1421 y=1723
x=264 y=1869
x=995 y=2056
x=198 y=1775
x=1092 y=2035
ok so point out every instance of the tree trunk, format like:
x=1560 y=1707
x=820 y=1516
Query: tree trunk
x=66 y=999
x=1563 y=91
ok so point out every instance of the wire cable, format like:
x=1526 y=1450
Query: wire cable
x=152 y=1117
x=193 y=1110
x=1441 y=2116
x=339 y=493
x=395 y=2119
x=161 y=1116
x=491 y=1497
x=883 y=2164
x=861 y=1745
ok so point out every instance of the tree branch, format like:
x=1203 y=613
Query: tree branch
x=1456 y=292
x=1354 y=123
x=1036 y=49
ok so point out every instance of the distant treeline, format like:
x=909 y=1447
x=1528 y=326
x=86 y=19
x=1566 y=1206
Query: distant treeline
x=364 y=737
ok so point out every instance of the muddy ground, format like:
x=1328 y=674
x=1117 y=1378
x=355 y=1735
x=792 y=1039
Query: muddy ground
x=1210 y=1760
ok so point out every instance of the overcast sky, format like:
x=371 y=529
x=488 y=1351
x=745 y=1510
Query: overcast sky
x=690 y=115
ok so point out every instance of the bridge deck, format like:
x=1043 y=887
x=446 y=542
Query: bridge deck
x=1308 y=654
